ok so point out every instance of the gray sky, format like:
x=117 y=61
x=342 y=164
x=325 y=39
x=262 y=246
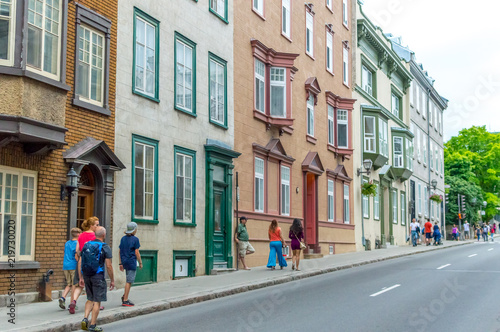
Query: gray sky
x=458 y=43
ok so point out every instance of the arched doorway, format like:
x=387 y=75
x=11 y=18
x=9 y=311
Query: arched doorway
x=85 y=202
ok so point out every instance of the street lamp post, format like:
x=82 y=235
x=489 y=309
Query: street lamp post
x=367 y=165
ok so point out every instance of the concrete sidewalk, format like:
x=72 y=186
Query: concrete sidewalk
x=47 y=316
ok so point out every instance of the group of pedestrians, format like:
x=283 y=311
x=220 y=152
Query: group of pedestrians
x=86 y=258
x=429 y=230
x=485 y=230
x=276 y=244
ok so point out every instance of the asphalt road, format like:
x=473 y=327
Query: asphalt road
x=456 y=289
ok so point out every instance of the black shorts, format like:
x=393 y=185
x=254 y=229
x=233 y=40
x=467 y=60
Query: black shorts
x=428 y=235
x=95 y=287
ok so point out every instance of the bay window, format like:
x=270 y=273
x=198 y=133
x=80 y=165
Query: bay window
x=342 y=129
x=44 y=36
x=278 y=92
x=397 y=152
x=369 y=134
x=260 y=83
x=330 y=125
x=7 y=31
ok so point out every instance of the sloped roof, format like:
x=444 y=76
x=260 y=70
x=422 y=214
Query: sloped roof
x=91 y=145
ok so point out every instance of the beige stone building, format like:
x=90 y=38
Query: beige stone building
x=382 y=109
x=293 y=122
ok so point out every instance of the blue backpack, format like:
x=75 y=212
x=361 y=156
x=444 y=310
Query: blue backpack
x=91 y=255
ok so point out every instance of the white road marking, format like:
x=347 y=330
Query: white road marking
x=385 y=290
x=472 y=255
x=443 y=266
x=490 y=249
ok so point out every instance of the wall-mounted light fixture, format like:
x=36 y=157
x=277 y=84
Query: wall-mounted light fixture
x=434 y=184
x=71 y=184
x=367 y=165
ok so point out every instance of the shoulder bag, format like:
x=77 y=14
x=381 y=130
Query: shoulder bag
x=302 y=244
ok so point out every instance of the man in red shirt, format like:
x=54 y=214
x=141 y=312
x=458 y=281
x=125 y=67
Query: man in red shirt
x=428 y=232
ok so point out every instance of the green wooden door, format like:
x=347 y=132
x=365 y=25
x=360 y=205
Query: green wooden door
x=219 y=220
x=148 y=273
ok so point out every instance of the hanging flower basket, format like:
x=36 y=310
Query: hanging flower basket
x=368 y=189
x=436 y=198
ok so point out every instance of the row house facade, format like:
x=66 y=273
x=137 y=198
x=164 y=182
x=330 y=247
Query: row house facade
x=293 y=122
x=385 y=141
x=426 y=115
x=174 y=133
x=57 y=118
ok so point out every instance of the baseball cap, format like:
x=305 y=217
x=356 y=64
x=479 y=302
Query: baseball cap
x=131 y=227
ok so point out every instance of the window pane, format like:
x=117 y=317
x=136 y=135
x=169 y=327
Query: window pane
x=34 y=47
x=139 y=192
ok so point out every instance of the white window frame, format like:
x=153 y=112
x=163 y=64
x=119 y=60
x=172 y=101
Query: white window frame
x=285 y=18
x=394 y=201
x=343 y=120
x=398 y=159
x=424 y=147
x=412 y=94
x=260 y=86
x=285 y=191
x=431 y=156
x=258 y=6
x=217 y=115
x=376 y=204
x=409 y=154
x=424 y=104
x=383 y=138
x=331 y=202
x=329 y=4
x=259 y=192
x=90 y=65
x=419 y=199
x=142 y=89
x=278 y=84
x=403 y=208
x=11 y=35
x=44 y=19
x=329 y=51
x=436 y=158
x=345 y=13
x=366 y=204
x=369 y=138
x=219 y=6
x=16 y=237
x=309 y=34
x=418 y=144
x=144 y=147
x=331 y=125
x=186 y=179
x=367 y=80
x=395 y=105
x=310 y=115
x=186 y=64
x=426 y=201
x=347 y=217
x=431 y=113
x=345 y=70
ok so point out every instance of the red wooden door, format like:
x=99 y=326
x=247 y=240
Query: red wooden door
x=311 y=218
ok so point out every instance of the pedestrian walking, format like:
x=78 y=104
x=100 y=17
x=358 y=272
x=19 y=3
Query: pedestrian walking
x=478 y=232
x=428 y=232
x=130 y=258
x=94 y=255
x=414 y=230
x=69 y=265
x=89 y=226
x=437 y=234
x=276 y=245
x=454 y=233
x=490 y=227
x=296 y=234
x=466 y=230
x=241 y=239
x=485 y=233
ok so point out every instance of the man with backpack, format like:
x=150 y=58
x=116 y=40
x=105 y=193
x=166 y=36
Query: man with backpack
x=94 y=255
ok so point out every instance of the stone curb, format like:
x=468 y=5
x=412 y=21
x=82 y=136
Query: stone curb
x=113 y=315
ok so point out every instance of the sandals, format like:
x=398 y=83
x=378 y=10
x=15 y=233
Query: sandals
x=293 y=266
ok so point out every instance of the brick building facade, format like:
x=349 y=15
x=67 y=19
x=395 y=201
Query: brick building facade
x=58 y=113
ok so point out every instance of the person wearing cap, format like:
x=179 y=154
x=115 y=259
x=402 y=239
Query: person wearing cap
x=130 y=258
x=241 y=238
